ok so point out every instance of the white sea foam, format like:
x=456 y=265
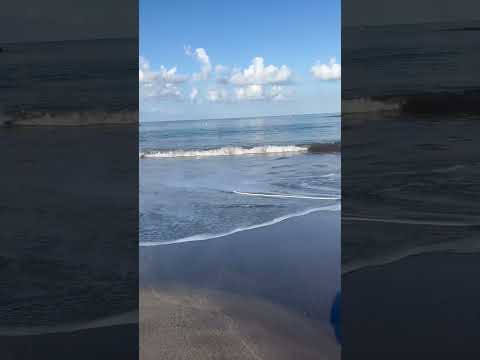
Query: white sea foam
x=367 y=105
x=121 y=319
x=73 y=118
x=203 y=237
x=287 y=196
x=452 y=247
x=225 y=151
x=466 y=246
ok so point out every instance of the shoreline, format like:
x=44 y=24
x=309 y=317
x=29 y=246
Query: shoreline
x=264 y=293
x=206 y=237
x=273 y=262
x=365 y=265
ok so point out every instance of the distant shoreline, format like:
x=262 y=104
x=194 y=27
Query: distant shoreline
x=328 y=114
x=68 y=119
x=26 y=42
x=415 y=104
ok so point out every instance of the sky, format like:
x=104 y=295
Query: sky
x=223 y=59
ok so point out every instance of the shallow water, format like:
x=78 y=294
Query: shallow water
x=200 y=189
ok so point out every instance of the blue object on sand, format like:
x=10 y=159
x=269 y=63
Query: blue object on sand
x=335 y=318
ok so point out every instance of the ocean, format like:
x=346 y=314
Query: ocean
x=410 y=96
x=76 y=184
x=204 y=179
x=69 y=82
x=405 y=60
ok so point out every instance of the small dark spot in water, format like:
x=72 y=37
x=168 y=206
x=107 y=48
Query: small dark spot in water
x=432 y=147
x=324 y=148
x=466 y=28
x=8 y=123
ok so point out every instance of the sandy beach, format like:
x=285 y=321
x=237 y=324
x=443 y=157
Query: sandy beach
x=202 y=324
x=259 y=294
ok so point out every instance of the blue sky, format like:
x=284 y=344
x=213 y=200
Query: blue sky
x=221 y=59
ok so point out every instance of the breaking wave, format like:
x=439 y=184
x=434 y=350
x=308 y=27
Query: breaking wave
x=69 y=118
x=203 y=237
x=287 y=196
x=239 y=150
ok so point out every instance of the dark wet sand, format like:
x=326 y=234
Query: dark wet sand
x=104 y=342
x=258 y=294
x=424 y=306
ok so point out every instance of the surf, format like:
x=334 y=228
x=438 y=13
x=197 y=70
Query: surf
x=286 y=196
x=68 y=118
x=204 y=237
x=241 y=150
x=225 y=151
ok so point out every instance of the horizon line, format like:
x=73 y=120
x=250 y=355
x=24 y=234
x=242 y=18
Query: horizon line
x=70 y=40
x=241 y=117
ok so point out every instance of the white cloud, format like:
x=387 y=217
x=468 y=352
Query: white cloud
x=257 y=82
x=146 y=74
x=202 y=57
x=159 y=84
x=259 y=74
x=249 y=92
x=330 y=71
x=217 y=95
x=193 y=94
x=171 y=76
x=280 y=93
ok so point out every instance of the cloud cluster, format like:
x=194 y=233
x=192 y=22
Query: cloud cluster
x=256 y=82
x=202 y=57
x=259 y=74
x=160 y=84
x=249 y=93
x=326 y=72
x=260 y=92
x=218 y=95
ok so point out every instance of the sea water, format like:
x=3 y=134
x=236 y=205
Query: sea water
x=204 y=179
x=410 y=178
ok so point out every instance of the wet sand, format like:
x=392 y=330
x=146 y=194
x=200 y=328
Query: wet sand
x=423 y=306
x=110 y=342
x=259 y=294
